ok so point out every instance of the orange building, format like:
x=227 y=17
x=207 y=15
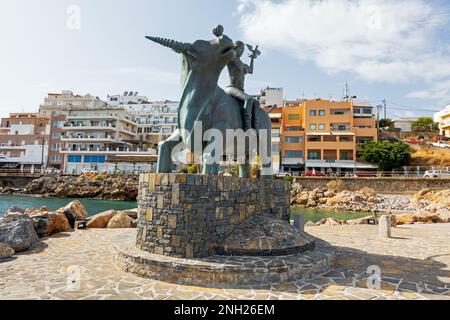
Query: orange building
x=322 y=135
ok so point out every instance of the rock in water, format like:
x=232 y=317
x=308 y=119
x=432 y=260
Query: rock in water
x=17 y=231
x=101 y=220
x=121 y=220
x=6 y=251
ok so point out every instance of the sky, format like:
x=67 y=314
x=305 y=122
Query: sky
x=398 y=50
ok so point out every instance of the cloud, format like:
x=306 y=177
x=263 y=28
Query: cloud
x=378 y=40
x=439 y=91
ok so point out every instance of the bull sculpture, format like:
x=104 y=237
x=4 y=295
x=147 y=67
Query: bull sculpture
x=203 y=101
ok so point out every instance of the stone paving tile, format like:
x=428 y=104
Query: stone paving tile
x=415 y=264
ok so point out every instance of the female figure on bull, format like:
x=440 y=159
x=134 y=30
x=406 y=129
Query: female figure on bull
x=238 y=70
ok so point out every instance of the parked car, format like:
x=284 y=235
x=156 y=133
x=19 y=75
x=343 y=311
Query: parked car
x=283 y=174
x=412 y=141
x=365 y=174
x=440 y=144
x=311 y=173
x=437 y=174
x=53 y=171
x=88 y=171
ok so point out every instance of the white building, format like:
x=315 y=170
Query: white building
x=103 y=139
x=405 y=124
x=128 y=97
x=271 y=97
x=156 y=121
x=443 y=118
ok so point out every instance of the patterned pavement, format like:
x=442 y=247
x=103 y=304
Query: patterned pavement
x=415 y=264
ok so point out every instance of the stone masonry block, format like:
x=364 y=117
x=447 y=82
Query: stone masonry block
x=149 y=214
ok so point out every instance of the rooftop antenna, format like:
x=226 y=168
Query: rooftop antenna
x=346 y=91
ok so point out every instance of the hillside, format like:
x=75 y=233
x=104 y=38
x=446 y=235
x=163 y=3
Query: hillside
x=430 y=156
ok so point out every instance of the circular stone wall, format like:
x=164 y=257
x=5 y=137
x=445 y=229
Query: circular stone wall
x=225 y=271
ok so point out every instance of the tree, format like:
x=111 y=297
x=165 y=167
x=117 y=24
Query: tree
x=425 y=124
x=386 y=155
x=386 y=123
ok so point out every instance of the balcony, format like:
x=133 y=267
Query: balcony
x=91 y=139
x=108 y=151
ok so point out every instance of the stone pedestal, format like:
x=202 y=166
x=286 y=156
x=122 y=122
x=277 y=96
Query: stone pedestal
x=215 y=230
x=384 y=227
x=188 y=216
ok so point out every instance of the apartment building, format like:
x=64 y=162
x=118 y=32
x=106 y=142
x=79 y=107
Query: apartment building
x=275 y=115
x=24 y=141
x=57 y=107
x=322 y=135
x=103 y=138
x=156 y=121
x=443 y=118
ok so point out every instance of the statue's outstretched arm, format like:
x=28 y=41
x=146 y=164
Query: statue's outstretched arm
x=249 y=68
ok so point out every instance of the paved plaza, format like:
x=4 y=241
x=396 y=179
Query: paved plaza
x=415 y=264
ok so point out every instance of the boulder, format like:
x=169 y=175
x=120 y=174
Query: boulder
x=332 y=222
x=17 y=231
x=41 y=226
x=6 y=251
x=15 y=209
x=77 y=209
x=360 y=221
x=120 y=220
x=132 y=213
x=405 y=219
x=310 y=224
x=58 y=223
x=427 y=217
x=101 y=220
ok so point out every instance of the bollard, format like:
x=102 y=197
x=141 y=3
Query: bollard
x=299 y=222
x=384 y=227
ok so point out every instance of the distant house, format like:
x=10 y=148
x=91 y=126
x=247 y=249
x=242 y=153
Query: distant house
x=405 y=124
x=443 y=118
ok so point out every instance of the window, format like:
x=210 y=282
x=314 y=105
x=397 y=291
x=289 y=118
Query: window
x=321 y=126
x=56 y=158
x=294 y=154
x=314 y=139
x=293 y=129
x=74 y=159
x=56 y=147
x=312 y=126
x=292 y=139
x=293 y=117
x=56 y=135
x=346 y=139
x=314 y=155
x=312 y=113
x=321 y=113
x=342 y=127
x=346 y=155
x=367 y=111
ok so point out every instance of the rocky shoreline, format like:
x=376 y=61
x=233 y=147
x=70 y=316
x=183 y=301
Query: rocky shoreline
x=21 y=229
x=101 y=187
x=426 y=206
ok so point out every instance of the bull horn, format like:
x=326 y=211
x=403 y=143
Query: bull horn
x=178 y=47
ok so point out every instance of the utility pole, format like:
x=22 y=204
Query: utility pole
x=379 y=107
x=385 y=108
